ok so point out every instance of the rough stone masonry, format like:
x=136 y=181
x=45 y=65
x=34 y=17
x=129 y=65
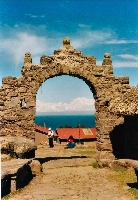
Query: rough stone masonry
x=116 y=102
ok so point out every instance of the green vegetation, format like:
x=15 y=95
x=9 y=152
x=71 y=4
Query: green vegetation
x=66 y=126
x=6 y=197
x=95 y=165
x=78 y=126
x=21 y=156
x=89 y=148
x=126 y=177
x=88 y=152
x=134 y=191
x=85 y=150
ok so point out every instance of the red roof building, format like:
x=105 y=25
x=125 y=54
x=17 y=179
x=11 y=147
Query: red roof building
x=83 y=134
x=41 y=129
x=77 y=133
x=41 y=134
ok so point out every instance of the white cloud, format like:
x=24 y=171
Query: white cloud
x=35 y=16
x=23 y=42
x=129 y=64
x=79 y=104
x=129 y=60
x=90 y=38
x=23 y=38
x=118 y=41
x=117 y=64
x=129 y=56
x=84 y=26
x=16 y=26
x=30 y=15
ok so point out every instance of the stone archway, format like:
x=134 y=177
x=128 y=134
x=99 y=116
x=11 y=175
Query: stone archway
x=114 y=98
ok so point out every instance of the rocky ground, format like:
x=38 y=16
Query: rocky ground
x=69 y=174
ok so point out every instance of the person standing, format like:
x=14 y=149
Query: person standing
x=50 y=137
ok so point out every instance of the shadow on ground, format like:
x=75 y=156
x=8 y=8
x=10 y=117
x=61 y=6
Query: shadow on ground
x=47 y=159
x=133 y=185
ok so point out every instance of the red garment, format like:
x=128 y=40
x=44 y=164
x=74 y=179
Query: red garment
x=70 y=140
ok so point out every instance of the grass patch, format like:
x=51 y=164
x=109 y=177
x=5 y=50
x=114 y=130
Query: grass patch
x=86 y=150
x=134 y=191
x=95 y=165
x=6 y=197
x=85 y=147
x=126 y=177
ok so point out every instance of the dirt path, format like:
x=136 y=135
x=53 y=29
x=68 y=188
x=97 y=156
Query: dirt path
x=68 y=174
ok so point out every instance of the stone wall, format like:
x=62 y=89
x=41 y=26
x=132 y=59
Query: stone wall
x=114 y=98
x=15 y=174
x=17 y=115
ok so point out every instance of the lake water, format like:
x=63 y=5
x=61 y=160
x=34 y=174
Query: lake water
x=55 y=121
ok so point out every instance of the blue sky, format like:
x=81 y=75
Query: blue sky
x=94 y=27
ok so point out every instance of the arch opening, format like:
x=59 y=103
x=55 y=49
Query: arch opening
x=65 y=95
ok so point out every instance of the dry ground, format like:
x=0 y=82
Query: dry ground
x=69 y=174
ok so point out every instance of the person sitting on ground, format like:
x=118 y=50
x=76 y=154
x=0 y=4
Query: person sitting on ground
x=71 y=143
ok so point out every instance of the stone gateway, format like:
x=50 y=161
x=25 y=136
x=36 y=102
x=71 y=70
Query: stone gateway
x=116 y=102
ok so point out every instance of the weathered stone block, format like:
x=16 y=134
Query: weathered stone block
x=18 y=146
x=122 y=80
x=104 y=146
x=15 y=174
x=36 y=167
x=1 y=103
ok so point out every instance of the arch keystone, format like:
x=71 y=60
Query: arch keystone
x=66 y=44
x=66 y=41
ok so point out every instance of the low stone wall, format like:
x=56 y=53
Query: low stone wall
x=15 y=174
